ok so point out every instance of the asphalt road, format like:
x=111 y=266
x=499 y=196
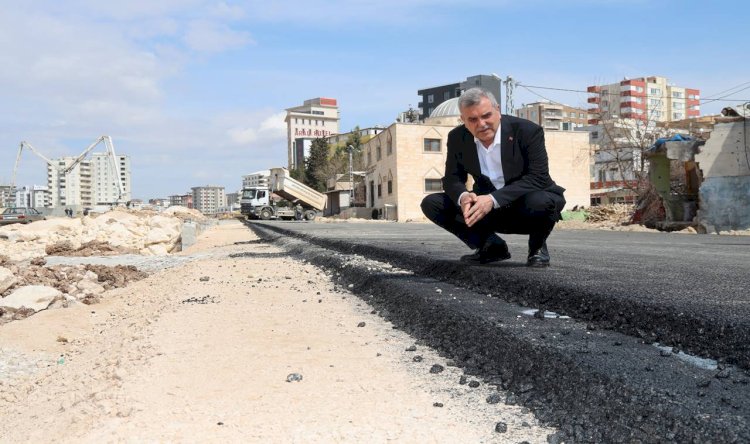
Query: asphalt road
x=687 y=291
x=631 y=364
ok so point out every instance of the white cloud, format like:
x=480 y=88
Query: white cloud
x=206 y=36
x=268 y=131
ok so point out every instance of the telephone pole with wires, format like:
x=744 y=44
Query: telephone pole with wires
x=509 y=85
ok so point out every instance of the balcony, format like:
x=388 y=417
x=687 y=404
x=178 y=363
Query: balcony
x=594 y=99
x=552 y=115
x=593 y=121
x=552 y=125
x=593 y=110
x=594 y=89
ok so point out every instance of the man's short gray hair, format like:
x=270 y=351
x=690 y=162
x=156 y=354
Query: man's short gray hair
x=473 y=96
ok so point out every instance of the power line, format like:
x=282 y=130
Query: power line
x=726 y=90
x=618 y=95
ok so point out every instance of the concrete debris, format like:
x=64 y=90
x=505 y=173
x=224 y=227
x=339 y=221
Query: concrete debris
x=34 y=297
x=7 y=279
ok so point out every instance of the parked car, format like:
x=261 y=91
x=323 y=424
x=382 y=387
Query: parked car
x=20 y=216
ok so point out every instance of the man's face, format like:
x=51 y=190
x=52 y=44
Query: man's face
x=482 y=120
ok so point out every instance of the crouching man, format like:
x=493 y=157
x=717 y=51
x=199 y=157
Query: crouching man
x=513 y=192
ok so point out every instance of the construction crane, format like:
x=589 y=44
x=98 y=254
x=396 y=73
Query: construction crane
x=112 y=159
x=28 y=146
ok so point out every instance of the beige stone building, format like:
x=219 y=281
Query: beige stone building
x=406 y=162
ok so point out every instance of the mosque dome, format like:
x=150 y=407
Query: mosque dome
x=449 y=108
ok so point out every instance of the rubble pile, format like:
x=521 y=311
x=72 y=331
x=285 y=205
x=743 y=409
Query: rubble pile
x=26 y=289
x=617 y=214
x=116 y=232
x=28 y=285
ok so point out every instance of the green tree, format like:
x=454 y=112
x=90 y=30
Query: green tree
x=316 y=165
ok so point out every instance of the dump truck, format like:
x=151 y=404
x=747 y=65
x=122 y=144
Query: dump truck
x=306 y=203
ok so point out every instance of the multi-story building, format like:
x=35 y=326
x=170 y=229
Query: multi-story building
x=208 y=199
x=647 y=99
x=554 y=116
x=36 y=196
x=184 y=200
x=434 y=96
x=104 y=187
x=314 y=119
x=92 y=182
x=258 y=179
x=6 y=196
x=233 y=200
x=406 y=162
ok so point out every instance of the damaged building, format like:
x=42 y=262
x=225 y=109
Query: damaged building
x=703 y=182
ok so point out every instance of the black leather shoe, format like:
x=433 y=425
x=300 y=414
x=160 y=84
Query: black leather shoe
x=490 y=252
x=538 y=257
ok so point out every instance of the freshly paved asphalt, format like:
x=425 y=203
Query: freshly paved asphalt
x=687 y=291
x=598 y=376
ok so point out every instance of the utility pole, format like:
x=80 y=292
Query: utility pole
x=509 y=85
x=351 y=176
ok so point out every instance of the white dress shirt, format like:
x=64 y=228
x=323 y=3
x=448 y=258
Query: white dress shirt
x=490 y=163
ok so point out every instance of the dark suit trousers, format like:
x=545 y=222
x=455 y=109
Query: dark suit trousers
x=534 y=214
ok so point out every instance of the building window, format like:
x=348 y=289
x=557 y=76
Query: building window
x=533 y=114
x=429 y=111
x=380 y=190
x=639 y=89
x=677 y=115
x=580 y=115
x=432 y=145
x=446 y=95
x=433 y=185
x=654 y=91
x=654 y=102
x=430 y=98
x=378 y=153
x=677 y=95
x=369 y=157
x=390 y=187
x=389 y=147
x=678 y=105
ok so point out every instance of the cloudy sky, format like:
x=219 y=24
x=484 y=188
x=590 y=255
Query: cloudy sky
x=194 y=91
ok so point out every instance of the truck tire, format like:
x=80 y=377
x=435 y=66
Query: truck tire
x=310 y=214
x=265 y=214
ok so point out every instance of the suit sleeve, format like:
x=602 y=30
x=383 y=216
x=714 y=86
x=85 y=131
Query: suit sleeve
x=454 y=180
x=536 y=176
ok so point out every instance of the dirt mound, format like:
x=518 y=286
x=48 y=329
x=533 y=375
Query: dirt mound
x=93 y=248
x=117 y=276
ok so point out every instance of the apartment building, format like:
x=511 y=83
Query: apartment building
x=92 y=182
x=432 y=97
x=208 y=199
x=647 y=99
x=184 y=200
x=314 y=119
x=36 y=196
x=554 y=116
x=258 y=179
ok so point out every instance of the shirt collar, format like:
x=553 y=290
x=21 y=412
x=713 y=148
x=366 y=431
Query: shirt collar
x=495 y=142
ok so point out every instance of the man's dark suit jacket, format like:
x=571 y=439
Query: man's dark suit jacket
x=524 y=160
